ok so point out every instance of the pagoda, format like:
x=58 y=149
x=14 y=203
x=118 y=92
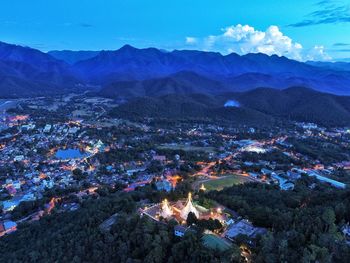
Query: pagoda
x=202 y=188
x=189 y=207
x=166 y=211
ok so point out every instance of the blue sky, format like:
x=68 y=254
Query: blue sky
x=300 y=29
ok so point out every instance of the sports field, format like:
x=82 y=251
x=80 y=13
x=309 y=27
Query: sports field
x=219 y=184
x=215 y=242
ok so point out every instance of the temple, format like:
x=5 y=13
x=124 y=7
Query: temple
x=189 y=207
x=179 y=210
x=166 y=211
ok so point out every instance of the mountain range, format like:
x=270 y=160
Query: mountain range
x=129 y=72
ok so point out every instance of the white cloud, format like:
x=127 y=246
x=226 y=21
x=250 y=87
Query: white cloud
x=317 y=53
x=191 y=40
x=243 y=39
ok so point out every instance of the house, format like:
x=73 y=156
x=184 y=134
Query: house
x=179 y=231
x=230 y=222
x=243 y=227
x=326 y=180
x=18 y=158
x=133 y=170
x=7 y=227
x=160 y=158
x=73 y=130
x=28 y=197
x=346 y=232
x=293 y=175
x=251 y=130
x=287 y=186
x=17 y=185
x=47 y=184
x=28 y=127
x=266 y=171
x=47 y=128
x=254 y=175
x=9 y=205
x=164 y=186
x=10 y=226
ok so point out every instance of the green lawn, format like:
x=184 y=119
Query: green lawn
x=215 y=242
x=219 y=184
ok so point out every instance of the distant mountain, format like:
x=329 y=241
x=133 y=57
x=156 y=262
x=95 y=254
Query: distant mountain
x=332 y=82
x=72 y=57
x=344 y=66
x=33 y=57
x=256 y=106
x=234 y=71
x=127 y=63
x=248 y=81
x=131 y=72
x=184 y=82
x=28 y=72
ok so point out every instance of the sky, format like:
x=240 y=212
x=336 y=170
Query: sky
x=298 y=29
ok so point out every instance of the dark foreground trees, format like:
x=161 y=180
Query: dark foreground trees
x=305 y=224
x=77 y=237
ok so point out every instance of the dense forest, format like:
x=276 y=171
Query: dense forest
x=304 y=223
x=303 y=226
x=76 y=237
x=327 y=152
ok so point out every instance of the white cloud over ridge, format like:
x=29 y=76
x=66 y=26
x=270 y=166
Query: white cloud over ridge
x=191 y=40
x=243 y=39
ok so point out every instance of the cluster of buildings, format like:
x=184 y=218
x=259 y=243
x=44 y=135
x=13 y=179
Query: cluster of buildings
x=29 y=163
x=232 y=225
x=180 y=209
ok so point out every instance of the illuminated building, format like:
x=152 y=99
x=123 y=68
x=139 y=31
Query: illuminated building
x=189 y=207
x=166 y=211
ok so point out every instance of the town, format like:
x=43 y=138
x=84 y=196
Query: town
x=57 y=152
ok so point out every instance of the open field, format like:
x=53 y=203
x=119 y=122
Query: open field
x=186 y=147
x=215 y=242
x=229 y=180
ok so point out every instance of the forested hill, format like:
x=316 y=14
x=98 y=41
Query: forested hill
x=299 y=104
x=259 y=106
x=191 y=106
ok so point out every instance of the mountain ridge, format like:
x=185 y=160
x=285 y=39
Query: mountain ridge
x=72 y=57
x=29 y=72
x=129 y=63
x=156 y=72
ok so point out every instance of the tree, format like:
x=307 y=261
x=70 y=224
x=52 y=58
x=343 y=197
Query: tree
x=328 y=218
x=78 y=174
x=191 y=219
